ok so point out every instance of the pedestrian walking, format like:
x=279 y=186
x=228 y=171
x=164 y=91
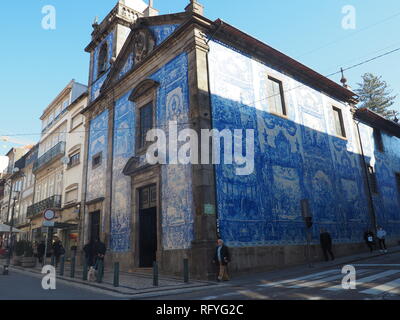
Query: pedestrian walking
x=58 y=250
x=41 y=248
x=89 y=250
x=381 y=235
x=326 y=244
x=221 y=259
x=100 y=251
x=369 y=238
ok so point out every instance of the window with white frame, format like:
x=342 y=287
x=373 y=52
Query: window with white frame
x=276 y=99
x=339 y=123
x=71 y=196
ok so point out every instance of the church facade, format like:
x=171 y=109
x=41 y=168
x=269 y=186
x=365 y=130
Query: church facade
x=148 y=70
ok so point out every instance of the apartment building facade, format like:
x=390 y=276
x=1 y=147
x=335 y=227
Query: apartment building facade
x=58 y=154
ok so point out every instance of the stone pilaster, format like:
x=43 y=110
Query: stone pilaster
x=203 y=181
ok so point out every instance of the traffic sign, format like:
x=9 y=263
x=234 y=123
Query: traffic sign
x=49 y=215
x=49 y=224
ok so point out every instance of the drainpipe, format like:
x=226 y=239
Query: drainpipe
x=371 y=199
x=211 y=120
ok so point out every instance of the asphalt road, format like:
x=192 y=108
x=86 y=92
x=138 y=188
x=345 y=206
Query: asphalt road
x=20 y=286
x=377 y=278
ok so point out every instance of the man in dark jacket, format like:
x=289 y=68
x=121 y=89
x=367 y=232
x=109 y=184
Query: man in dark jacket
x=326 y=244
x=221 y=259
x=89 y=250
x=99 y=250
x=369 y=238
x=58 y=250
x=41 y=248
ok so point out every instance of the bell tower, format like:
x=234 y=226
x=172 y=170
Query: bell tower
x=109 y=36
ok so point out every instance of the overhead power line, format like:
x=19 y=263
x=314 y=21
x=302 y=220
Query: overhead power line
x=252 y=103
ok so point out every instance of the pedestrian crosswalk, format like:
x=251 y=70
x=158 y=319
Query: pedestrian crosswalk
x=369 y=281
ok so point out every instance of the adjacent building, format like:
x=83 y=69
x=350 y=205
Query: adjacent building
x=11 y=180
x=57 y=169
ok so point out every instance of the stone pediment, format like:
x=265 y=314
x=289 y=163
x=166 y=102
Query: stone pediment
x=146 y=34
x=139 y=45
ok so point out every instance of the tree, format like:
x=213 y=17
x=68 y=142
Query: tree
x=376 y=95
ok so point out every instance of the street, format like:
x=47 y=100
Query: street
x=19 y=286
x=377 y=278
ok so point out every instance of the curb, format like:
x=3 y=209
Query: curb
x=150 y=292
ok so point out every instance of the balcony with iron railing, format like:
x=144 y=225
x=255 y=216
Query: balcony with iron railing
x=58 y=151
x=54 y=202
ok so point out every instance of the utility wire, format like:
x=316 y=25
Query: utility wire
x=350 y=35
x=252 y=103
x=302 y=55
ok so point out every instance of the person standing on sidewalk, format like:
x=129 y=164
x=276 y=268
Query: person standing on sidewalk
x=381 y=235
x=58 y=251
x=41 y=248
x=222 y=259
x=326 y=244
x=100 y=251
x=89 y=250
x=369 y=238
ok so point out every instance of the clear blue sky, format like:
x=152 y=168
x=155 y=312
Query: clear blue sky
x=36 y=64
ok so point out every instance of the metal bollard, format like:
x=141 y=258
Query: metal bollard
x=100 y=270
x=5 y=270
x=73 y=260
x=155 y=274
x=186 y=270
x=62 y=264
x=85 y=271
x=116 y=274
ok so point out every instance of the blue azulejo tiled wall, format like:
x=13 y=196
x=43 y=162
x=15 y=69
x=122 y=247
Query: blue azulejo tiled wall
x=98 y=142
x=386 y=165
x=162 y=32
x=176 y=180
x=296 y=157
x=128 y=65
x=123 y=149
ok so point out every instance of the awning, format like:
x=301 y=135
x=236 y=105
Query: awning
x=6 y=229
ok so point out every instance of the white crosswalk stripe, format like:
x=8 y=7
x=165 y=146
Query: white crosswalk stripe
x=309 y=277
x=366 y=280
x=364 y=277
x=389 y=287
x=316 y=283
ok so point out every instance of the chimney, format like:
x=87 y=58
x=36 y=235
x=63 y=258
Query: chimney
x=195 y=7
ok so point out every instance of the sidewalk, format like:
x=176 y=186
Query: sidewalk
x=130 y=284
